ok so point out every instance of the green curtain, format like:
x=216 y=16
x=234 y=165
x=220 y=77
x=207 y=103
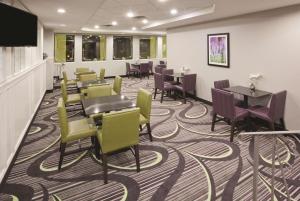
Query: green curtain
x=60 y=47
x=102 y=48
x=164 y=46
x=153 y=46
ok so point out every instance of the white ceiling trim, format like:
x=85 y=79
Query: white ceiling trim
x=162 y=23
x=105 y=31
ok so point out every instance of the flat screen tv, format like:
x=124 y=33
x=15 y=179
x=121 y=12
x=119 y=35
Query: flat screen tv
x=18 y=28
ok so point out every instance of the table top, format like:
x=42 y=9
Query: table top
x=86 y=84
x=177 y=75
x=82 y=73
x=246 y=91
x=106 y=104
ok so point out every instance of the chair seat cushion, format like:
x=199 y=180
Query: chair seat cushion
x=143 y=120
x=168 y=86
x=241 y=113
x=80 y=129
x=259 y=112
x=179 y=87
x=73 y=98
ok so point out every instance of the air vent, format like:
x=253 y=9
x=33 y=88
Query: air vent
x=139 y=17
x=107 y=25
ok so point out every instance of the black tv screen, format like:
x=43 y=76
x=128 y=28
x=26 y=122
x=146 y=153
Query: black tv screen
x=18 y=28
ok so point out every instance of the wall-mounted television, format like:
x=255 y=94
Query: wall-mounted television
x=18 y=28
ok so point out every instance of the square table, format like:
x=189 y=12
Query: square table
x=247 y=92
x=106 y=104
x=89 y=83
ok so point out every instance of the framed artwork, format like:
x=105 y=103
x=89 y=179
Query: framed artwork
x=218 y=50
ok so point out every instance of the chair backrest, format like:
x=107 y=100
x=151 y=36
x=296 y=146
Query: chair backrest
x=82 y=70
x=189 y=82
x=117 y=84
x=144 y=67
x=144 y=102
x=119 y=130
x=166 y=73
x=65 y=76
x=102 y=73
x=127 y=67
x=223 y=103
x=277 y=105
x=98 y=91
x=88 y=77
x=151 y=66
x=64 y=93
x=158 y=81
x=221 y=84
x=62 y=119
x=158 y=70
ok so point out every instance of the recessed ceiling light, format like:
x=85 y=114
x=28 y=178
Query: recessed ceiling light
x=174 y=11
x=162 y=1
x=96 y=27
x=133 y=28
x=62 y=25
x=130 y=14
x=145 y=21
x=114 y=23
x=61 y=10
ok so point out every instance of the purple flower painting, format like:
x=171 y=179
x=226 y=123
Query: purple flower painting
x=218 y=49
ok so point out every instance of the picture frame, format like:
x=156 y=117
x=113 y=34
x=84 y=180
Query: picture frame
x=218 y=50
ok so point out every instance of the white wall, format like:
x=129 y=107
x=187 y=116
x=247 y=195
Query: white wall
x=266 y=43
x=22 y=86
x=112 y=67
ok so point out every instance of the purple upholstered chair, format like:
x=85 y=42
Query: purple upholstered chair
x=144 y=70
x=271 y=114
x=188 y=84
x=223 y=106
x=161 y=85
x=129 y=70
x=221 y=84
x=151 y=66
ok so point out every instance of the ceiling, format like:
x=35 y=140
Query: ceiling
x=83 y=15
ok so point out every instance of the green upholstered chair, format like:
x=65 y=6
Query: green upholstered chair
x=68 y=82
x=117 y=86
x=69 y=98
x=87 y=77
x=144 y=102
x=82 y=70
x=72 y=131
x=102 y=74
x=98 y=91
x=119 y=130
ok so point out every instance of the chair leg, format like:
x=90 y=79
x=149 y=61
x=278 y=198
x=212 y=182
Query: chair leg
x=162 y=96
x=149 y=131
x=104 y=162
x=184 y=96
x=272 y=126
x=155 y=91
x=137 y=157
x=62 y=151
x=97 y=148
x=213 y=122
x=141 y=128
x=232 y=131
x=282 y=123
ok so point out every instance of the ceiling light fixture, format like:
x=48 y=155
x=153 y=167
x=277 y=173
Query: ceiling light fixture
x=174 y=11
x=114 y=23
x=96 y=27
x=162 y=1
x=61 y=10
x=145 y=21
x=133 y=28
x=130 y=14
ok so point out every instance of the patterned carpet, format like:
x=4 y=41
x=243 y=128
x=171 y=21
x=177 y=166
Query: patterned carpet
x=186 y=161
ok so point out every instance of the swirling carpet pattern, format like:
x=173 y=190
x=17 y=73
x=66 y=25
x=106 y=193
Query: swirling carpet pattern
x=186 y=161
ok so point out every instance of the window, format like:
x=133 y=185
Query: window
x=64 y=47
x=164 y=46
x=122 y=47
x=144 y=48
x=90 y=48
